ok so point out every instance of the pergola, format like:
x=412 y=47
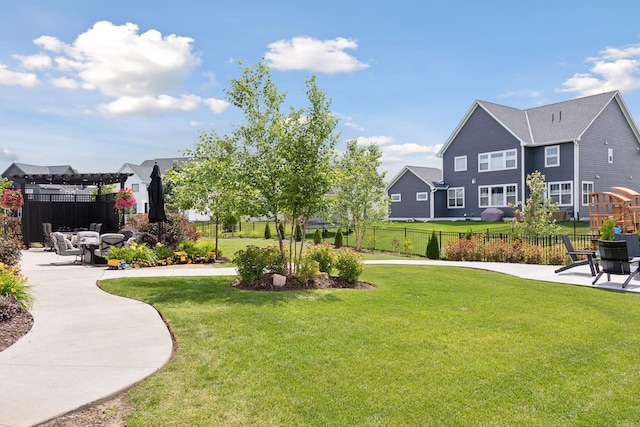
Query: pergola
x=75 y=179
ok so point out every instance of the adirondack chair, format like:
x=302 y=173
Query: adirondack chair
x=573 y=254
x=614 y=258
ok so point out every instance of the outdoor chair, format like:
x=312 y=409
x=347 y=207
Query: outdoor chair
x=575 y=259
x=46 y=235
x=614 y=258
x=633 y=244
x=108 y=240
x=64 y=247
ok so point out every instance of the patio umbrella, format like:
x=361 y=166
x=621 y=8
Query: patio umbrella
x=156 y=200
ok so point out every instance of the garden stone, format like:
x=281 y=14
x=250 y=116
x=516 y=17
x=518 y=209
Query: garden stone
x=279 y=281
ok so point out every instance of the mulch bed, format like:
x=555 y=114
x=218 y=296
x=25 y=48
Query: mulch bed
x=11 y=330
x=293 y=284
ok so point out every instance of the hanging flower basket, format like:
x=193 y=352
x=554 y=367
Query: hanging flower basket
x=11 y=199
x=125 y=199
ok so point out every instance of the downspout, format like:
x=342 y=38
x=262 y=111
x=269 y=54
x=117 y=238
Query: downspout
x=431 y=202
x=577 y=188
x=523 y=176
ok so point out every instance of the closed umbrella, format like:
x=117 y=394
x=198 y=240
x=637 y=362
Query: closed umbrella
x=156 y=200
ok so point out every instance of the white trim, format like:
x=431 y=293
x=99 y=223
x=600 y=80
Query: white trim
x=503 y=153
x=547 y=156
x=559 y=184
x=425 y=194
x=504 y=194
x=610 y=155
x=395 y=198
x=582 y=193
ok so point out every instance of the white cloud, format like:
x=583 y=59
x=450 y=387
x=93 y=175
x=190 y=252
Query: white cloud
x=306 y=53
x=354 y=126
x=140 y=73
x=380 y=140
x=34 y=62
x=403 y=149
x=14 y=78
x=387 y=159
x=614 y=69
x=6 y=154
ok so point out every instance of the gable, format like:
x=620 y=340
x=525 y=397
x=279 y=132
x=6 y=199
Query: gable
x=428 y=176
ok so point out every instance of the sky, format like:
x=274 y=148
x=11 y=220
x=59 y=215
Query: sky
x=96 y=84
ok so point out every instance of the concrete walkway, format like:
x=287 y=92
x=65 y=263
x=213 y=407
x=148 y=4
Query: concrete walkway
x=87 y=345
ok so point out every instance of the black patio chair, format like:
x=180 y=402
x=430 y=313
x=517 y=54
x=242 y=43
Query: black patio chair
x=46 y=236
x=576 y=261
x=614 y=258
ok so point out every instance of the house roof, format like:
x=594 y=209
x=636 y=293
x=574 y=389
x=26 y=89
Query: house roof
x=143 y=170
x=549 y=124
x=430 y=176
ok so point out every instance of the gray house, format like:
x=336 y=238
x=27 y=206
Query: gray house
x=413 y=194
x=582 y=145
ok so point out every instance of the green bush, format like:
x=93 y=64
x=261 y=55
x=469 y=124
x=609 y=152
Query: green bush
x=267 y=231
x=13 y=284
x=433 y=248
x=281 y=227
x=607 y=230
x=199 y=249
x=308 y=269
x=134 y=253
x=163 y=252
x=317 y=237
x=338 y=239
x=323 y=256
x=298 y=233
x=349 y=264
x=254 y=262
x=177 y=228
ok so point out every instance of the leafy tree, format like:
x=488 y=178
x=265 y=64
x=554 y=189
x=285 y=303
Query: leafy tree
x=361 y=198
x=286 y=160
x=535 y=217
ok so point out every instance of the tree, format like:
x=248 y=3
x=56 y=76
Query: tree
x=433 y=248
x=361 y=198
x=267 y=231
x=536 y=215
x=207 y=184
x=286 y=160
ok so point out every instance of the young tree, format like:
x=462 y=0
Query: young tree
x=286 y=159
x=536 y=215
x=361 y=199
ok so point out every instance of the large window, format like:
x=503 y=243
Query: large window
x=552 y=156
x=587 y=187
x=497 y=195
x=422 y=196
x=396 y=197
x=497 y=160
x=460 y=163
x=561 y=193
x=455 y=197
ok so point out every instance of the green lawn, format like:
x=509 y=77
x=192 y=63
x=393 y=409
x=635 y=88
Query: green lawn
x=431 y=346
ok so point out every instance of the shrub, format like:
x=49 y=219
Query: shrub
x=134 y=253
x=433 y=248
x=254 y=262
x=607 y=230
x=9 y=308
x=176 y=229
x=267 y=231
x=338 y=239
x=163 y=252
x=298 y=233
x=349 y=264
x=229 y=223
x=465 y=249
x=281 y=227
x=13 y=284
x=10 y=250
x=308 y=269
x=317 y=237
x=200 y=249
x=323 y=256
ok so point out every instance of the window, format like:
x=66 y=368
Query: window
x=497 y=160
x=460 y=163
x=552 y=156
x=587 y=187
x=561 y=193
x=497 y=195
x=610 y=155
x=455 y=198
x=396 y=197
x=422 y=197
x=135 y=188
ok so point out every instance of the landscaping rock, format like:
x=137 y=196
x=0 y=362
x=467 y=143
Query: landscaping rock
x=279 y=281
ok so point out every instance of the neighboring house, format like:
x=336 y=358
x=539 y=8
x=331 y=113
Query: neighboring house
x=582 y=145
x=141 y=178
x=412 y=193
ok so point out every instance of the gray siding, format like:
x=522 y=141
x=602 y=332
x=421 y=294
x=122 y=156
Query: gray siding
x=609 y=130
x=481 y=133
x=407 y=186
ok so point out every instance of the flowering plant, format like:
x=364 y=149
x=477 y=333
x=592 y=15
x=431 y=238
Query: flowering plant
x=11 y=199
x=125 y=199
